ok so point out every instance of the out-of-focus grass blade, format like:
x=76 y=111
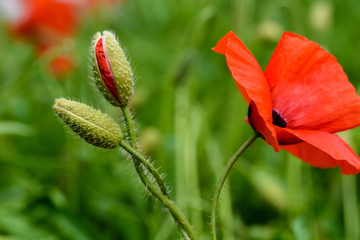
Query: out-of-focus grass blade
x=16 y=128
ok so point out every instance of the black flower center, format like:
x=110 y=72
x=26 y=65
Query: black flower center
x=278 y=120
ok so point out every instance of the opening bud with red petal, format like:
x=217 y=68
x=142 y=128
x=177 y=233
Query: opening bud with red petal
x=111 y=70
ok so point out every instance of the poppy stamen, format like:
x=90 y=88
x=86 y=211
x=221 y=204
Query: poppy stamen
x=278 y=120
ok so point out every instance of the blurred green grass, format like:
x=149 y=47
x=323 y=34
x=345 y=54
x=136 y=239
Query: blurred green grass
x=55 y=186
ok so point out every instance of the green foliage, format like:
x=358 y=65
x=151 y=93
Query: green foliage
x=54 y=186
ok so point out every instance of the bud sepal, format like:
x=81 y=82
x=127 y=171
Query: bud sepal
x=94 y=126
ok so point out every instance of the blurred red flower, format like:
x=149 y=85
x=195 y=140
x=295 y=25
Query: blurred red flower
x=301 y=99
x=61 y=66
x=48 y=24
x=45 y=23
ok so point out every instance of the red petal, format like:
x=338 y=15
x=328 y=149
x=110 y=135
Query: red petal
x=258 y=123
x=105 y=69
x=251 y=82
x=309 y=87
x=62 y=65
x=322 y=149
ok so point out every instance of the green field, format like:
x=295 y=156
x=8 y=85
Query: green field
x=190 y=119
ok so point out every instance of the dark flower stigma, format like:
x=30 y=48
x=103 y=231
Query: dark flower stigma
x=278 y=120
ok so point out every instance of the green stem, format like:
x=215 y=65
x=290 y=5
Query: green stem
x=131 y=130
x=222 y=179
x=140 y=170
x=130 y=125
x=178 y=216
x=132 y=136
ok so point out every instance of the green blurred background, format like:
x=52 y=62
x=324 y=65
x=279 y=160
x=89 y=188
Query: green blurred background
x=190 y=120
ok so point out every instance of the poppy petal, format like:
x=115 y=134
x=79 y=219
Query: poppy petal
x=251 y=82
x=309 y=87
x=322 y=149
x=258 y=123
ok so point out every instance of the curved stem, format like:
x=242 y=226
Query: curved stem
x=142 y=175
x=131 y=130
x=222 y=179
x=178 y=216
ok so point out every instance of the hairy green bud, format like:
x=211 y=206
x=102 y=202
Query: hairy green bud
x=111 y=70
x=94 y=126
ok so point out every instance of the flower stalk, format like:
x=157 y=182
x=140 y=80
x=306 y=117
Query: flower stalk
x=132 y=138
x=222 y=180
x=165 y=199
x=140 y=162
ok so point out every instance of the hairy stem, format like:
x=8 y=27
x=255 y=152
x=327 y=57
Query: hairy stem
x=140 y=162
x=131 y=133
x=130 y=125
x=131 y=130
x=178 y=216
x=221 y=182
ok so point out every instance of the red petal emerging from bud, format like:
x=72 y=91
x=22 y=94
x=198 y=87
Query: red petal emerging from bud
x=105 y=68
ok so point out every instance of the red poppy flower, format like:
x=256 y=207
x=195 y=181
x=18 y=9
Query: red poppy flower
x=46 y=22
x=300 y=101
x=48 y=26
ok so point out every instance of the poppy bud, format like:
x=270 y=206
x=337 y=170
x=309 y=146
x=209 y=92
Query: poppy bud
x=92 y=125
x=111 y=70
